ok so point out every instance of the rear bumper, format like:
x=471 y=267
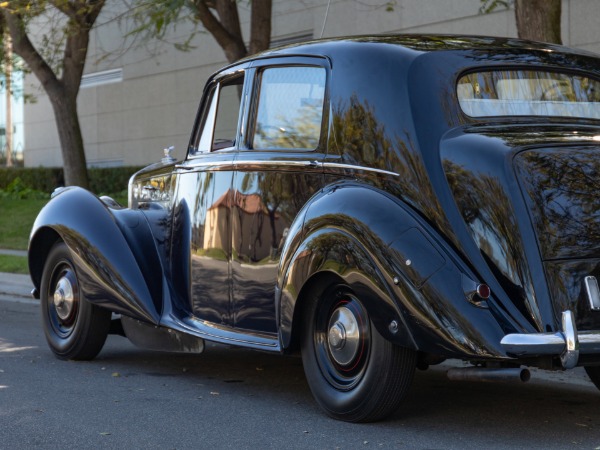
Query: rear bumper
x=567 y=344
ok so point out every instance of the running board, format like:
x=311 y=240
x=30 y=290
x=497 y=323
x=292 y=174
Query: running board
x=159 y=338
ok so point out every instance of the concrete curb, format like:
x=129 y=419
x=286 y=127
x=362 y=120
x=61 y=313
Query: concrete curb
x=4 y=251
x=15 y=285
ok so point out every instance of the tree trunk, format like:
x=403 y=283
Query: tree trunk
x=260 y=25
x=539 y=20
x=71 y=139
x=8 y=88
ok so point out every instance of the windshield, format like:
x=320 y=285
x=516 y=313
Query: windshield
x=528 y=93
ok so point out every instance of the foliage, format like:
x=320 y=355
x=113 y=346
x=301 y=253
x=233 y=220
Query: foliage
x=488 y=6
x=153 y=19
x=52 y=38
x=220 y=18
x=17 y=189
x=44 y=179
x=111 y=180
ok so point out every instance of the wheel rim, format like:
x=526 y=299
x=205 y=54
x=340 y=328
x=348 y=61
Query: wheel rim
x=63 y=300
x=342 y=340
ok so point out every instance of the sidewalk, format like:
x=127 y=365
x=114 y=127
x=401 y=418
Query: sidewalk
x=4 y=251
x=15 y=286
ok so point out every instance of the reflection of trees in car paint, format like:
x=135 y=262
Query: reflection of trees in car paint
x=486 y=208
x=265 y=205
x=562 y=186
x=363 y=140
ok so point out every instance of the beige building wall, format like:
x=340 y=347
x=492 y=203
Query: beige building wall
x=151 y=101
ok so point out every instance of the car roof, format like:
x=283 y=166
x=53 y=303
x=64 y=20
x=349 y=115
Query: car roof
x=425 y=43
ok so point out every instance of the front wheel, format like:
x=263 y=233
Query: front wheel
x=74 y=328
x=353 y=372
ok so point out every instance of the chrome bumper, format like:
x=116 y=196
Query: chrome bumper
x=567 y=344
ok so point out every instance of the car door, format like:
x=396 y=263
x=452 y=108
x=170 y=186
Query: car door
x=277 y=170
x=204 y=200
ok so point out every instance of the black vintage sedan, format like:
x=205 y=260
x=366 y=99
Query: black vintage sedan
x=378 y=204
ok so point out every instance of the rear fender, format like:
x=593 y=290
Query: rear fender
x=398 y=266
x=113 y=251
x=333 y=255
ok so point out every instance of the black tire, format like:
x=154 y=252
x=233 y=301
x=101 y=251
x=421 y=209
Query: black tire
x=593 y=372
x=353 y=372
x=74 y=328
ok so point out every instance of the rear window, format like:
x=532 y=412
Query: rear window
x=528 y=93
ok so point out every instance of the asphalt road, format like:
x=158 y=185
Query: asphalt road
x=235 y=398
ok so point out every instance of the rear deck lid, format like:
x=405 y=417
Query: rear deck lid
x=561 y=187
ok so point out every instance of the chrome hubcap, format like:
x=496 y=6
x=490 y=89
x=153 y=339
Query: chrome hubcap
x=343 y=338
x=64 y=299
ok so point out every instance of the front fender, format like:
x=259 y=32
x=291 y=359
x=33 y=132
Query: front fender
x=396 y=262
x=108 y=247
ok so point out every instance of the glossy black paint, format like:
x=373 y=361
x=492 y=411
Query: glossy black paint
x=109 y=267
x=405 y=200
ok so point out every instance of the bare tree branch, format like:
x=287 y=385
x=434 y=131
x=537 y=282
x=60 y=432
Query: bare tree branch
x=230 y=41
x=26 y=50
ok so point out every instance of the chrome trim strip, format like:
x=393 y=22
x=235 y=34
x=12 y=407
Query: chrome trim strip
x=219 y=333
x=223 y=165
x=206 y=165
x=330 y=165
x=593 y=292
x=265 y=162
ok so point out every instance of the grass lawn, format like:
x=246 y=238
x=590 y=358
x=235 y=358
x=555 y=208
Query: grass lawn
x=13 y=264
x=16 y=219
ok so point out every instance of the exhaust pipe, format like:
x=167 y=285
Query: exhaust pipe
x=489 y=374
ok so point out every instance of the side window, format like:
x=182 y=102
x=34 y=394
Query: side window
x=220 y=119
x=290 y=108
x=208 y=121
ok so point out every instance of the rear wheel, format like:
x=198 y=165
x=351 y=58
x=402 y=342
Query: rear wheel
x=74 y=328
x=354 y=373
x=594 y=373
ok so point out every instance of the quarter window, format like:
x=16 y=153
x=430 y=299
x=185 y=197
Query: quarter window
x=220 y=118
x=290 y=108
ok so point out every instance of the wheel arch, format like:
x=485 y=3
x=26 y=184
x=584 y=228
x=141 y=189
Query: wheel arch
x=107 y=258
x=361 y=275
x=40 y=245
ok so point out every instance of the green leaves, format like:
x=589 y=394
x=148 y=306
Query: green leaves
x=488 y=6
